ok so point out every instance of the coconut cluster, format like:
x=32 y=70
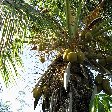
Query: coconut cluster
x=73 y=56
x=103 y=84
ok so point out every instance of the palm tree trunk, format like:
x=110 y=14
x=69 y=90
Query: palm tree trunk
x=76 y=96
x=80 y=87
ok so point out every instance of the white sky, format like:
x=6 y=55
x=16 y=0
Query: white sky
x=20 y=95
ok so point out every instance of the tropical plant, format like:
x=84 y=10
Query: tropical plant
x=77 y=32
x=102 y=103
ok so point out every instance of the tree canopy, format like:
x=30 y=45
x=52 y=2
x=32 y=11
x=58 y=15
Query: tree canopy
x=54 y=26
x=44 y=22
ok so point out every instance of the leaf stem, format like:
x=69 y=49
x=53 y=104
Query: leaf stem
x=67 y=3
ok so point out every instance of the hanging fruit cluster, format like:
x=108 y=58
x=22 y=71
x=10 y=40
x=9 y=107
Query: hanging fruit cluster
x=103 y=84
x=73 y=56
x=52 y=80
x=37 y=93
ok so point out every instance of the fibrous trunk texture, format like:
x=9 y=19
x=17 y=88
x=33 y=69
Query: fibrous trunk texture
x=80 y=87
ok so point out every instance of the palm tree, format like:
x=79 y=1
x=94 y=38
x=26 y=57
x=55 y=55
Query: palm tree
x=81 y=36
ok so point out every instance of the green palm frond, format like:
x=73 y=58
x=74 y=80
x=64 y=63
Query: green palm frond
x=101 y=103
x=13 y=34
x=23 y=22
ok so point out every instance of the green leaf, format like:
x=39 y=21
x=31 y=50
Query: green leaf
x=77 y=19
x=109 y=99
x=106 y=104
x=100 y=107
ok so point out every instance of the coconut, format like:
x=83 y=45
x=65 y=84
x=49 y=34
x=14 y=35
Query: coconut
x=72 y=57
x=42 y=59
x=106 y=86
x=80 y=57
x=98 y=79
x=37 y=92
x=65 y=54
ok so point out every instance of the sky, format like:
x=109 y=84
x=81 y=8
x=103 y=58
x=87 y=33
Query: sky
x=19 y=95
